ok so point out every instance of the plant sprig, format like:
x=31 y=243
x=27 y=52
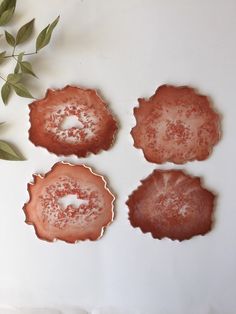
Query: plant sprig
x=14 y=82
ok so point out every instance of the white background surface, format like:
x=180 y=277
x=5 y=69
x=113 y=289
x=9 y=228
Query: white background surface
x=125 y=49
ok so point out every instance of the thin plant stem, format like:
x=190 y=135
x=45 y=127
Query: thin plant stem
x=3 y=78
x=25 y=54
x=14 y=48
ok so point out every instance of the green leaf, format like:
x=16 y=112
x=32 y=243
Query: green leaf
x=2 y=55
x=26 y=67
x=24 y=32
x=41 y=38
x=20 y=56
x=6 y=16
x=17 y=68
x=10 y=39
x=44 y=36
x=5 y=92
x=7 y=152
x=50 y=30
x=7 y=4
x=14 y=78
x=21 y=90
x=7 y=9
x=19 y=59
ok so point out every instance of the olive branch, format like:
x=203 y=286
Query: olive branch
x=13 y=82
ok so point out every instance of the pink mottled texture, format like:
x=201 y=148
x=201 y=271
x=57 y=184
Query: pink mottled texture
x=98 y=127
x=176 y=124
x=170 y=203
x=70 y=224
